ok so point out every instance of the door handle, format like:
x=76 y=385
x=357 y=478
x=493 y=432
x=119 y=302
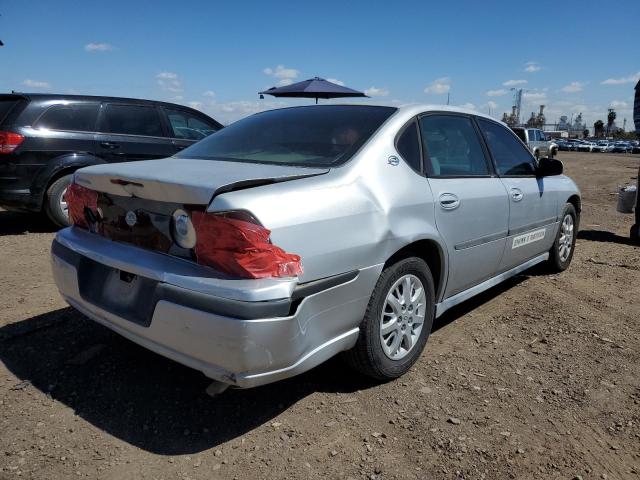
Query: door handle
x=449 y=201
x=516 y=194
x=110 y=145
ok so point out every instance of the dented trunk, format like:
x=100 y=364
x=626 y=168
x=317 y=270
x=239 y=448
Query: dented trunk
x=185 y=181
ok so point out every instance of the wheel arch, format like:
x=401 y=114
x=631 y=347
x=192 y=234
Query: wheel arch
x=59 y=167
x=576 y=202
x=432 y=253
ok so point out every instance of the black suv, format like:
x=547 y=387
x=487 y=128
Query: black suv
x=44 y=138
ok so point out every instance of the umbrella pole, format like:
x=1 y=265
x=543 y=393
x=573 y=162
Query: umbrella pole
x=316 y=100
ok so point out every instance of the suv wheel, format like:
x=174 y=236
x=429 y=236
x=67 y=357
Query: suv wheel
x=55 y=204
x=561 y=253
x=397 y=322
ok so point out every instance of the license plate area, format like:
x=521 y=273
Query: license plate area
x=122 y=293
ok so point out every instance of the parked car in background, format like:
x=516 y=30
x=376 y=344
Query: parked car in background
x=44 y=138
x=295 y=234
x=535 y=140
x=585 y=146
x=621 y=147
x=601 y=146
x=563 y=144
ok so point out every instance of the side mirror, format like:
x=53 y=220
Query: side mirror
x=548 y=167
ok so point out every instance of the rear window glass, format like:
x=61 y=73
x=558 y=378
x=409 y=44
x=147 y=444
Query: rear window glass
x=189 y=126
x=318 y=135
x=77 y=118
x=5 y=107
x=131 y=120
x=409 y=147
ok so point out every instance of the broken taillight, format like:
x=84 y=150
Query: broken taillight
x=81 y=201
x=236 y=243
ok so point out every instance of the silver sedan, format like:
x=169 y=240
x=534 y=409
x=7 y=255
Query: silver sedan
x=296 y=234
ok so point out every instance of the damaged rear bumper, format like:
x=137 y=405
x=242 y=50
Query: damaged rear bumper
x=241 y=332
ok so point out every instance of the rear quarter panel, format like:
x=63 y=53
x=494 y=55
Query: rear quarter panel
x=357 y=215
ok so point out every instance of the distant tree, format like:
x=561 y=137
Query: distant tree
x=611 y=119
x=598 y=127
x=585 y=133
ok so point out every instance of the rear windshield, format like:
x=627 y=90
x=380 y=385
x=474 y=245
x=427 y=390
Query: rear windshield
x=318 y=135
x=6 y=105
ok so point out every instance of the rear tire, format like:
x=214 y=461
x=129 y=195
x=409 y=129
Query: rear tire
x=563 y=247
x=55 y=207
x=391 y=336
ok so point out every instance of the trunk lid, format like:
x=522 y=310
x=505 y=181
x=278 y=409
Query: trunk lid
x=185 y=181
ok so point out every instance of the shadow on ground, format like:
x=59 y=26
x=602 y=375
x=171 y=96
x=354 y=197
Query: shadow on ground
x=15 y=223
x=152 y=402
x=605 y=236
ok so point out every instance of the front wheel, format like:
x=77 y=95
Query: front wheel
x=55 y=204
x=562 y=250
x=397 y=322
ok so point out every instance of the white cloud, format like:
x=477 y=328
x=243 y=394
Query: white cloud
x=336 y=81
x=285 y=75
x=532 y=67
x=196 y=105
x=178 y=98
x=209 y=93
x=618 y=104
x=229 y=112
x=534 y=96
x=497 y=93
x=514 y=83
x=98 y=47
x=170 y=82
x=573 y=87
x=376 y=92
x=35 y=84
x=468 y=105
x=492 y=105
x=439 y=86
x=621 y=81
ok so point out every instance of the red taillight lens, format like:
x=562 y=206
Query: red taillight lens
x=9 y=141
x=240 y=248
x=78 y=199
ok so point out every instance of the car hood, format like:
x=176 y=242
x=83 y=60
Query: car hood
x=183 y=180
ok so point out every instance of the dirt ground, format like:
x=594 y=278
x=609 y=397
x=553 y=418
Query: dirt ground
x=537 y=378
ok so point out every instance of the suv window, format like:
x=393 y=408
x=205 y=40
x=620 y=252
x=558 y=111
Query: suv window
x=188 y=126
x=80 y=117
x=452 y=146
x=409 y=146
x=131 y=120
x=520 y=133
x=533 y=136
x=511 y=157
x=542 y=136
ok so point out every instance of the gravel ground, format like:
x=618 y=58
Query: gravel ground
x=537 y=378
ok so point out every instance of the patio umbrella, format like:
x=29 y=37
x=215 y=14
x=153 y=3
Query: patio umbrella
x=313 y=88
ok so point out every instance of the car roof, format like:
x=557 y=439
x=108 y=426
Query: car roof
x=105 y=98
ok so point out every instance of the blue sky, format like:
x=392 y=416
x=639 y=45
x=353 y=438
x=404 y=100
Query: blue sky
x=572 y=56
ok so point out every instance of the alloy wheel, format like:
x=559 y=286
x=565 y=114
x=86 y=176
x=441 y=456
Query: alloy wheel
x=402 y=317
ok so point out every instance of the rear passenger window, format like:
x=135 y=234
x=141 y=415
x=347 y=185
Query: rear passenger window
x=131 y=120
x=511 y=157
x=409 y=146
x=76 y=118
x=452 y=147
x=188 y=126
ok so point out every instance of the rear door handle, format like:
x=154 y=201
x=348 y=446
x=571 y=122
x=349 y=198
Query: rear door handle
x=516 y=194
x=449 y=201
x=110 y=145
